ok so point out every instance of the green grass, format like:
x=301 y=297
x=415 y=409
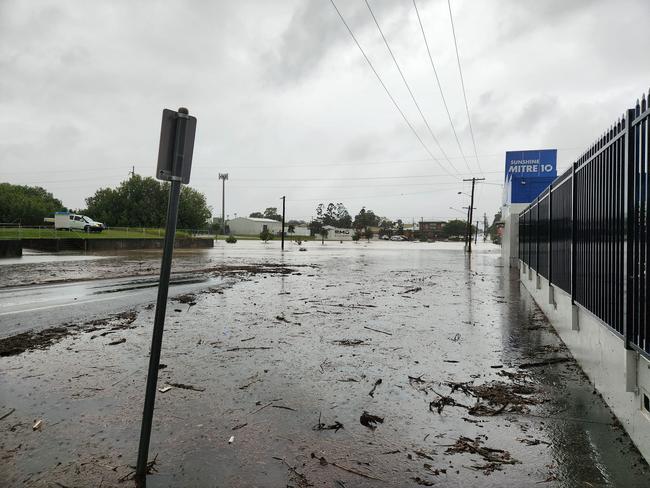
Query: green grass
x=133 y=233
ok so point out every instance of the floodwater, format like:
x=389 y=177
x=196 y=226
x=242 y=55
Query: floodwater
x=284 y=352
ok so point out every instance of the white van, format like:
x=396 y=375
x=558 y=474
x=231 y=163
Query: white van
x=70 y=221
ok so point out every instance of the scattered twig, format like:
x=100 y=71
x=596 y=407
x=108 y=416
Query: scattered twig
x=186 y=387
x=325 y=462
x=547 y=362
x=283 y=407
x=7 y=414
x=116 y=342
x=321 y=426
x=246 y=348
x=377 y=330
x=372 y=392
x=261 y=408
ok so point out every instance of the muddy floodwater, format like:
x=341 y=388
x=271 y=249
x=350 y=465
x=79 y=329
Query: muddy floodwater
x=348 y=365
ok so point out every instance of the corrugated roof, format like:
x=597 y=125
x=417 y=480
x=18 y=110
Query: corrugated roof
x=255 y=219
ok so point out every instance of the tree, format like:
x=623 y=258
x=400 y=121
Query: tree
x=455 y=228
x=365 y=218
x=27 y=205
x=315 y=226
x=272 y=213
x=142 y=202
x=291 y=229
x=256 y=215
x=335 y=215
x=369 y=233
x=323 y=234
x=386 y=227
x=265 y=235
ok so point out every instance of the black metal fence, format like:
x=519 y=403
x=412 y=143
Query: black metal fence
x=587 y=233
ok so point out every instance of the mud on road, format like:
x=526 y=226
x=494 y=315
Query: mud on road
x=376 y=365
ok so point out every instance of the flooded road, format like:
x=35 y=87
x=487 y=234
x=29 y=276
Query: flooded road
x=349 y=365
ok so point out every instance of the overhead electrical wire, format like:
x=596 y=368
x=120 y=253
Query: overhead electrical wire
x=426 y=148
x=462 y=84
x=442 y=95
x=408 y=87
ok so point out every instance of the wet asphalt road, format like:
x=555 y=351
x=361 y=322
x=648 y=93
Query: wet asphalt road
x=38 y=307
x=273 y=353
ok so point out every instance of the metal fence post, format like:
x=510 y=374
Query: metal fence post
x=630 y=224
x=574 y=232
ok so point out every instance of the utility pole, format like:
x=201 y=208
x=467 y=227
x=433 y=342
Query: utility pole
x=470 y=213
x=223 y=177
x=283 y=202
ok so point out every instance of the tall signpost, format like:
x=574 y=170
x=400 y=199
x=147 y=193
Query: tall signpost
x=174 y=165
x=283 y=202
x=223 y=177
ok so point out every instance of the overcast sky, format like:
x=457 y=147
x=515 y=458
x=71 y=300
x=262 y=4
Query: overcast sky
x=287 y=105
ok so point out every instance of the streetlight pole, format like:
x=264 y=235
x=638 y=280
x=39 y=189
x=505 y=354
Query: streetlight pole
x=283 y=202
x=223 y=177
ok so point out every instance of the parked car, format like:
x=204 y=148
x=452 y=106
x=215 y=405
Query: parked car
x=385 y=237
x=398 y=238
x=70 y=221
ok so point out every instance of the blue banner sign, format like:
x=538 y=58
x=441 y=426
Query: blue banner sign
x=531 y=164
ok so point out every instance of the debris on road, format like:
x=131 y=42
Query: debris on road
x=116 y=342
x=246 y=348
x=547 y=362
x=422 y=482
x=372 y=392
x=325 y=462
x=494 y=457
x=231 y=440
x=186 y=387
x=370 y=420
x=38 y=425
x=412 y=290
x=164 y=389
x=321 y=426
x=377 y=330
x=350 y=342
x=7 y=414
x=283 y=407
x=298 y=478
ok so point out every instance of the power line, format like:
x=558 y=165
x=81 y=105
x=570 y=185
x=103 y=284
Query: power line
x=387 y=91
x=408 y=87
x=442 y=95
x=462 y=84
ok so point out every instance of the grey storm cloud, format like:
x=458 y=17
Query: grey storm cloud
x=287 y=104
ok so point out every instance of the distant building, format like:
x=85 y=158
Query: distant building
x=250 y=226
x=338 y=234
x=432 y=229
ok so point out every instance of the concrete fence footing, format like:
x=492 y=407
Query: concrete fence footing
x=620 y=375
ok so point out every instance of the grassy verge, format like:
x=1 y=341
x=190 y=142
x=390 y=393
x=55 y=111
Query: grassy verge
x=27 y=233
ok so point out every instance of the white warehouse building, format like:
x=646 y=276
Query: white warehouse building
x=250 y=226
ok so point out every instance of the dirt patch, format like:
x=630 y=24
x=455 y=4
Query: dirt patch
x=29 y=341
x=12 y=346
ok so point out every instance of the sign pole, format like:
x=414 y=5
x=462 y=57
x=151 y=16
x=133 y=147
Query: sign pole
x=179 y=158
